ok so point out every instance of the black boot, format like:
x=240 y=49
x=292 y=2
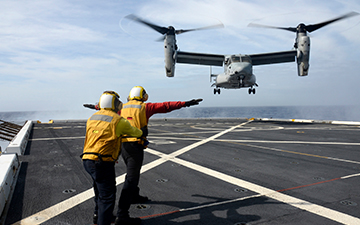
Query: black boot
x=127 y=221
x=140 y=199
x=95 y=218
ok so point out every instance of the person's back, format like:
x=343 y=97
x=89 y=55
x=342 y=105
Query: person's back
x=137 y=112
x=104 y=130
x=101 y=138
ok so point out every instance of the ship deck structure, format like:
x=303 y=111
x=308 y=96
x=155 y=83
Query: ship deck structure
x=196 y=171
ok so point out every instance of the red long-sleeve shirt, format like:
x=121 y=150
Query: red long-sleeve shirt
x=162 y=107
x=158 y=107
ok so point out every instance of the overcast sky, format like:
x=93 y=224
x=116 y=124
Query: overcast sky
x=60 y=54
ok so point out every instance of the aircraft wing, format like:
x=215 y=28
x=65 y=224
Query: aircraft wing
x=273 y=57
x=200 y=58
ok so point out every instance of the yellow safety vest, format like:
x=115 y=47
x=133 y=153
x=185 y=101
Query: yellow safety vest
x=135 y=112
x=101 y=141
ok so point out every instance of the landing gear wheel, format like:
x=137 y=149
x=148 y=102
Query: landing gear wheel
x=216 y=91
x=251 y=90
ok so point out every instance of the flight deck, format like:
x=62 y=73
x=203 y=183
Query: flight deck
x=202 y=171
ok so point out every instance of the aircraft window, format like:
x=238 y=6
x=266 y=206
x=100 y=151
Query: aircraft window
x=235 y=59
x=245 y=59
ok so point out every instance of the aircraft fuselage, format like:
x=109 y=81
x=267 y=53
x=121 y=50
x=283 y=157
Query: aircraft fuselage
x=238 y=73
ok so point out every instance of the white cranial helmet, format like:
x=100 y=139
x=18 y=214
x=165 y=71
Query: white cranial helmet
x=110 y=100
x=138 y=93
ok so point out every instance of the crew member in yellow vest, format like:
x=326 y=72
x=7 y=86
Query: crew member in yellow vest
x=137 y=112
x=102 y=147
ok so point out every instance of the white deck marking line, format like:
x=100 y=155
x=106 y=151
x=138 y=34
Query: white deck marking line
x=259 y=141
x=57 y=209
x=281 y=142
x=349 y=176
x=220 y=203
x=305 y=154
x=292 y=142
x=241 y=198
x=343 y=160
x=295 y=202
x=196 y=144
x=56 y=138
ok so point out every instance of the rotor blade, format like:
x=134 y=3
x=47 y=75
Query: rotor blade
x=161 y=30
x=292 y=29
x=313 y=27
x=161 y=38
x=201 y=28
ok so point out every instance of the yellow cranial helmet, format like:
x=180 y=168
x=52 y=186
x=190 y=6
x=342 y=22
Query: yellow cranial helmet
x=110 y=100
x=138 y=93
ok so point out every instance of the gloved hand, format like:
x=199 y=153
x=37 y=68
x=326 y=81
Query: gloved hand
x=193 y=102
x=90 y=106
x=145 y=131
x=143 y=141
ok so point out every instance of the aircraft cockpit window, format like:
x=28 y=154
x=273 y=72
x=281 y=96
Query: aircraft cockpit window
x=235 y=59
x=245 y=59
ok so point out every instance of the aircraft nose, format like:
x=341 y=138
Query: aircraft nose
x=243 y=67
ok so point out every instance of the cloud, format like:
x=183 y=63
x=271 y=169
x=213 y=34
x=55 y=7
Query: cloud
x=59 y=54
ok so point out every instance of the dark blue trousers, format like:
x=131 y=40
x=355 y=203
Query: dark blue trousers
x=103 y=175
x=133 y=156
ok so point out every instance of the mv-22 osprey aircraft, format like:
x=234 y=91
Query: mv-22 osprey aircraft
x=238 y=72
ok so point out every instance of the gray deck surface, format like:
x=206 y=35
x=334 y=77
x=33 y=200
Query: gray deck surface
x=203 y=171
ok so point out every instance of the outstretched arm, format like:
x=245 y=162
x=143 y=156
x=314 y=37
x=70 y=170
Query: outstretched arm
x=91 y=106
x=165 y=107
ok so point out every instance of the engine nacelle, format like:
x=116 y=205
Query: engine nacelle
x=170 y=72
x=169 y=64
x=170 y=55
x=303 y=55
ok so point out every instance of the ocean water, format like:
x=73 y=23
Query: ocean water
x=326 y=113
x=341 y=113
